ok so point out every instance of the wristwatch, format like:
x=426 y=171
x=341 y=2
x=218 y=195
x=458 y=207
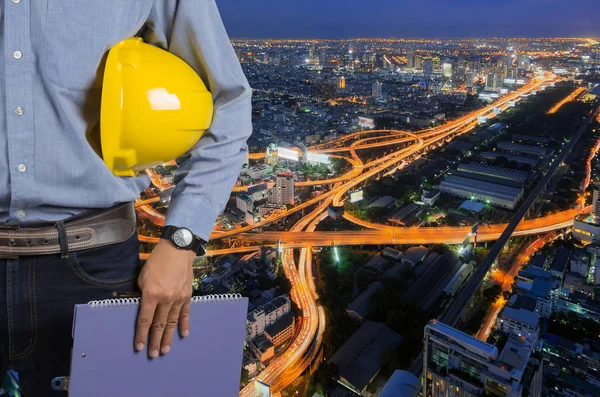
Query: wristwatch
x=183 y=238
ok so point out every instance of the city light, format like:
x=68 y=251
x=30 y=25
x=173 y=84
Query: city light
x=287 y=154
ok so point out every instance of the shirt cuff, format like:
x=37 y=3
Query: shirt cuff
x=192 y=212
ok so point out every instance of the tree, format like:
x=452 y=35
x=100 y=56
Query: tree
x=245 y=376
x=492 y=293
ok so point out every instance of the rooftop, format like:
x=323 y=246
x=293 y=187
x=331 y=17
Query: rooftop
x=515 y=356
x=471 y=205
x=415 y=254
x=401 y=384
x=382 y=202
x=486 y=189
x=359 y=358
x=560 y=260
x=281 y=324
x=540 y=288
x=521 y=315
x=533 y=272
x=362 y=303
x=467 y=341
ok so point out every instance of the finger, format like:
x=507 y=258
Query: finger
x=167 y=338
x=159 y=323
x=184 y=318
x=144 y=321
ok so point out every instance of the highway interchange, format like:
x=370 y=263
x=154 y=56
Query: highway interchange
x=405 y=147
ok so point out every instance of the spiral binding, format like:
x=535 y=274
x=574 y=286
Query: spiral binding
x=125 y=302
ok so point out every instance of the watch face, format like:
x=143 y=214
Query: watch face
x=183 y=238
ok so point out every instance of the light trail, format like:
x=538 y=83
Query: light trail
x=565 y=100
x=301 y=278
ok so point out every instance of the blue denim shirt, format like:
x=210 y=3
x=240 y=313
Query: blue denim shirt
x=52 y=55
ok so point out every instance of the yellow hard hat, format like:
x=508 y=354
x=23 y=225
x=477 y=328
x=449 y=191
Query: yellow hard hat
x=154 y=107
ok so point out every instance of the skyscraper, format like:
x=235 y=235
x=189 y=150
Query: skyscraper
x=377 y=89
x=491 y=82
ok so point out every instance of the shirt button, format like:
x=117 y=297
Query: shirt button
x=22 y=167
x=16 y=1
x=17 y=54
x=21 y=214
x=19 y=111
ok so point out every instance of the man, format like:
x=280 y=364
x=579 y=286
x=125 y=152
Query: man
x=51 y=179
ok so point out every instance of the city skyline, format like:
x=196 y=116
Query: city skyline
x=335 y=19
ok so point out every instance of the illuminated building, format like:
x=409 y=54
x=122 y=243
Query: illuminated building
x=418 y=62
x=265 y=315
x=491 y=82
x=410 y=60
x=459 y=365
x=436 y=63
x=586 y=228
x=281 y=330
x=470 y=81
x=596 y=203
x=521 y=323
x=284 y=190
x=377 y=90
x=341 y=82
x=447 y=69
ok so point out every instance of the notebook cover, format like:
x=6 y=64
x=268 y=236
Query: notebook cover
x=207 y=363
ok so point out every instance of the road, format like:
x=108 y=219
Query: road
x=459 y=304
x=410 y=146
x=505 y=279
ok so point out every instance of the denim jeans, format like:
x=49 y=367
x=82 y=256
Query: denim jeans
x=37 y=299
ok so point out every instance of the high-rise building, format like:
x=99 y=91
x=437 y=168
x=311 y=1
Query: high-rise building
x=349 y=60
x=377 y=90
x=428 y=66
x=457 y=365
x=323 y=55
x=437 y=64
x=469 y=79
x=596 y=202
x=410 y=60
x=341 y=82
x=284 y=191
x=418 y=62
x=491 y=82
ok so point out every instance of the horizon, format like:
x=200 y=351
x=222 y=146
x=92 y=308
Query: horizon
x=338 y=19
x=417 y=38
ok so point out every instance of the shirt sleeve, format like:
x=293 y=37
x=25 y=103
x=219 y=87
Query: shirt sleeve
x=193 y=30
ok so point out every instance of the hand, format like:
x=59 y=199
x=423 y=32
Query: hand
x=166 y=285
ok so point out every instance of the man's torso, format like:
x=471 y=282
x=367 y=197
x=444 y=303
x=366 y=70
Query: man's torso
x=52 y=55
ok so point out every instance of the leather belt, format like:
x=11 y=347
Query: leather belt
x=89 y=229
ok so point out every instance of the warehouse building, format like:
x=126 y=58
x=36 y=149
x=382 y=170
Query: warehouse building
x=524 y=149
x=531 y=161
x=489 y=173
x=499 y=195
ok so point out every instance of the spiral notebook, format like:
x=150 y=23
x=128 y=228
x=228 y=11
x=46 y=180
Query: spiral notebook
x=206 y=363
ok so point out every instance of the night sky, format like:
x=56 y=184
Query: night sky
x=415 y=18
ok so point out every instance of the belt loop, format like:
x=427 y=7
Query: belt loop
x=62 y=240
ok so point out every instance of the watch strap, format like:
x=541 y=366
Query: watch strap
x=198 y=245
